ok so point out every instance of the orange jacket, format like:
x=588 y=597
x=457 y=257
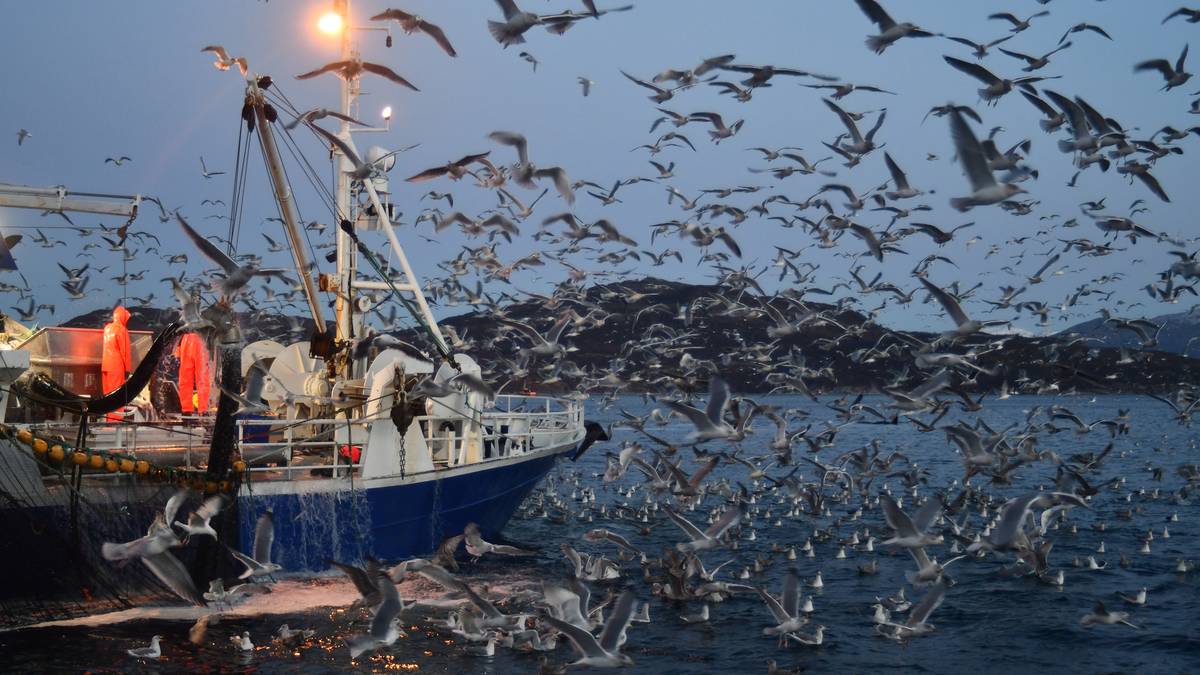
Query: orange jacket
x=115 y=361
x=193 y=372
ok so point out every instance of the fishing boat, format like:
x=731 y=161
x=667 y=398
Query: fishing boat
x=355 y=454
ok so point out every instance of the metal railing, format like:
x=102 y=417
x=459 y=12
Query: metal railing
x=523 y=426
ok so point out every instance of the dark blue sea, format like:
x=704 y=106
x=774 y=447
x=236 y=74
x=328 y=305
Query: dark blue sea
x=987 y=623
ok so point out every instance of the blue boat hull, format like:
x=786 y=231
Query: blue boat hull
x=393 y=522
x=315 y=520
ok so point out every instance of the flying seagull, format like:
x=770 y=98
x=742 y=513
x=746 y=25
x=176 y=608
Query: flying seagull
x=411 y=23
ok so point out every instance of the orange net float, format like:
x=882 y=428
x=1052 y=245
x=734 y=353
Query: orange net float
x=96 y=462
x=57 y=453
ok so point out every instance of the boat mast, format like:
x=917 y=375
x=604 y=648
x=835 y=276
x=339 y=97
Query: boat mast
x=347 y=258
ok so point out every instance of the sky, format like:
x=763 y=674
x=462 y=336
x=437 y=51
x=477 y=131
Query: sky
x=95 y=80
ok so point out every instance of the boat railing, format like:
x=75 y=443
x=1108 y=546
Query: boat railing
x=282 y=448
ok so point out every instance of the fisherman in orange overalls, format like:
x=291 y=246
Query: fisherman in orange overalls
x=193 y=374
x=115 y=362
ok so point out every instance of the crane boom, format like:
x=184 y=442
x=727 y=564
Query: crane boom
x=58 y=200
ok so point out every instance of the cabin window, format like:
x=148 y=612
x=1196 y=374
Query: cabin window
x=68 y=379
x=89 y=381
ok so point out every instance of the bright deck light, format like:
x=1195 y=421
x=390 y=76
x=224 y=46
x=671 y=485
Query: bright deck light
x=330 y=23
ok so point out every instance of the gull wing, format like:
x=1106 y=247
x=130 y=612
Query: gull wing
x=173 y=504
x=174 y=576
x=515 y=140
x=438 y=35
x=876 y=14
x=618 y=621
x=489 y=610
x=973 y=69
x=684 y=524
x=362 y=581
x=339 y=144
x=947 y=302
x=898 y=176
x=1012 y=519
x=729 y=519
x=211 y=507
x=584 y=641
x=388 y=610
x=791 y=594
x=206 y=247
x=846 y=120
x=897 y=519
x=388 y=73
x=327 y=68
x=970 y=153
x=697 y=416
x=718 y=398
x=923 y=609
x=774 y=606
x=927 y=514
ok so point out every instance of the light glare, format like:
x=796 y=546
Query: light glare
x=330 y=23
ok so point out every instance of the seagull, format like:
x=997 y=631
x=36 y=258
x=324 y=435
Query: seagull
x=706 y=539
x=1103 y=616
x=1019 y=25
x=1138 y=598
x=910 y=532
x=454 y=170
x=1080 y=27
x=1035 y=62
x=917 y=623
x=889 y=30
x=900 y=180
x=786 y=608
x=22 y=134
x=205 y=172
x=1174 y=76
x=152 y=652
x=964 y=325
x=996 y=87
x=859 y=144
x=710 y=423
x=477 y=547
x=236 y=275
x=980 y=49
x=198 y=520
x=310 y=116
x=586 y=84
x=242 y=642
x=264 y=536
x=349 y=70
x=383 y=630
x=224 y=61
x=411 y=23
x=602 y=652
x=1190 y=15
x=524 y=172
x=118 y=161
x=984 y=187
x=251 y=402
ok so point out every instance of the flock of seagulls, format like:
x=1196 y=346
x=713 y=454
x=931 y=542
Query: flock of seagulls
x=858 y=501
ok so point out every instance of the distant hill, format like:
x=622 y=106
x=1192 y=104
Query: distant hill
x=638 y=344
x=1177 y=333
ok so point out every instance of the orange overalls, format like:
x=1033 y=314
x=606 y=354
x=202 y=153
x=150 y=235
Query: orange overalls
x=115 y=362
x=193 y=373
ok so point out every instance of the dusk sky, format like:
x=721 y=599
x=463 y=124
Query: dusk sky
x=94 y=80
